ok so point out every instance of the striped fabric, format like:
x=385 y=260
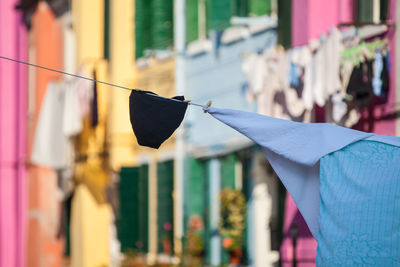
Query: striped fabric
x=359 y=220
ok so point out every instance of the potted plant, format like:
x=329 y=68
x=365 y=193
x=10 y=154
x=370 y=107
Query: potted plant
x=166 y=238
x=194 y=247
x=232 y=222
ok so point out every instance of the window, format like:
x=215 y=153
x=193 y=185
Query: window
x=372 y=11
x=205 y=15
x=133 y=210
x=153 y=25
x=285 y=23
x=165 y=206
x=107 y=11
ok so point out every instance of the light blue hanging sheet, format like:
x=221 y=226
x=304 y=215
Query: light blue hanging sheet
x=359 y=219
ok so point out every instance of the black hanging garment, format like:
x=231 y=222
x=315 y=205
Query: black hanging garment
x=94 y=107
x=360 y=84
x=153 y=118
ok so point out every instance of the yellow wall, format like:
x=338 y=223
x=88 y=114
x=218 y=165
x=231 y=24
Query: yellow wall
x=89 y=230
x=122 y=72
x=90 y=219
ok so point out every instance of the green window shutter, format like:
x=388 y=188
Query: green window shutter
x=207 y=229
x=165 y=204
x=260 y=7
x=241 y=8
x=143 y=25
x=192 y=20
x=365 y=10
x=143 y=234
x=107 y=12
x=133 y=197
x=220 y=12
x=384 y=10
x=195 y=197
x=228 y=171
x=162 y=28
x=285 y=23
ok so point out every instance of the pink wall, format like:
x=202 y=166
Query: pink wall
x=13 y=111
x=306 y=245
x=311 y=18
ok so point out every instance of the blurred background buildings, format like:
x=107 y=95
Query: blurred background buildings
x=91 y=196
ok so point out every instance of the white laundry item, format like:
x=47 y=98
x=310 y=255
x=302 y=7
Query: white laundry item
x=72 y=120
x=319 y=75
x=276 y=79
x=69 y=43
x=299 y=56
x=337 y=48
x=254 y=68
x=295 y=105
x=309 y=65
x=339 y=108
x=345 y=72
x=85 y=94
x=50 y=145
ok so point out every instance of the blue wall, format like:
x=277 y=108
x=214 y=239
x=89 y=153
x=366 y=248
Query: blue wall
x=217 y=75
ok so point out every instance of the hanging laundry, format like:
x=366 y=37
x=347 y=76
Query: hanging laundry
x=333 y=174
x=376 y=80
x=360 y=84
x=85 y=91
x=309 y=76
x=154 y=118
x=359 y=211
x=339 y=108
x=334 y=48
x=380 y=80
x=254 y=67
x=50 y=144
x=94 y=107
x=294 y=149
x=59 y=119
x=72 y=119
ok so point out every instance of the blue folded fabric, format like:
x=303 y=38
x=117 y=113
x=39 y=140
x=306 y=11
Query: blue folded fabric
x=359 y=218
x=294 y=151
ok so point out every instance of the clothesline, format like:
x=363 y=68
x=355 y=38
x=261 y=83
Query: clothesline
x=94 y=80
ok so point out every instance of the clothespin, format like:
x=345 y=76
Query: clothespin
x=207 y=106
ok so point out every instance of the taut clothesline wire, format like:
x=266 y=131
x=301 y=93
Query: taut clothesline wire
x=89 y=79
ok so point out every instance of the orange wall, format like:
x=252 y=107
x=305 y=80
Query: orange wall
x=43 y=249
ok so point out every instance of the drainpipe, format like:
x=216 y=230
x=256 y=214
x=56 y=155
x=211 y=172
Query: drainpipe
x=179 y=44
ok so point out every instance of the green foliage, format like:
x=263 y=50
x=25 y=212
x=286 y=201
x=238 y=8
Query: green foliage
x=233 y=217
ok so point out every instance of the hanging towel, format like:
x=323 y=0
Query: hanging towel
x=50 y=144
x=154 y=118
x=294 y=151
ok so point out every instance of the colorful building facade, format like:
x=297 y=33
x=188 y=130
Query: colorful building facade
x=13 y=137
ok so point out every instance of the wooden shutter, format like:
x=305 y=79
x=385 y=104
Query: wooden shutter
x=241 y=8
x=259 y=7
x=285 y=23
x=384 y=5
x=192 y=20
x=133 y=210
x=365 y=11
x=228 y=171
x=165 y=204
x=143 y=22
x=220 y=12
x=107 y=11
x=162 y=28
